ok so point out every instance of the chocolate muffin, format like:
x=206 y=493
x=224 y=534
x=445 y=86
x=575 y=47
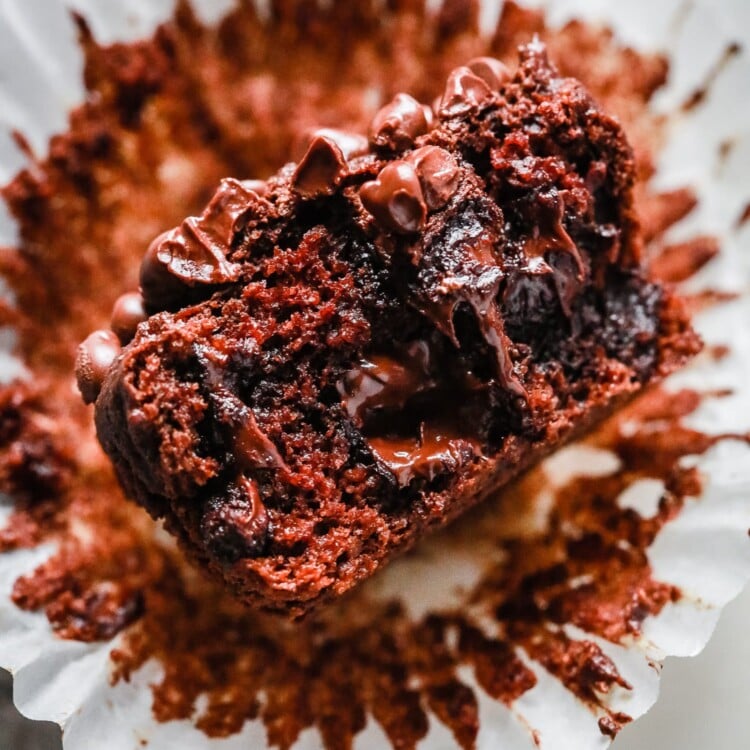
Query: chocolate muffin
x=321 y=367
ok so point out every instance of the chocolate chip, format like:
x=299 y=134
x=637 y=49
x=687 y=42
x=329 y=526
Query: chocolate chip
x=235 y=524
x=93 y=360
x=259 y=187
x=397 y=124
x=225 y=214
x=251 y=447
x=493 y=72
x=182 y=265
x=127 y=313
x=161 y=289
x=395 y=198
x=438 y=174
x=180 y=261
x=464 y=91
x=351 y=144
x=429 y=116
x=320 y=170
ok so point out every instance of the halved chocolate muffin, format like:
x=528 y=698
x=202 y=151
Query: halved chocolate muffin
x=323 y=366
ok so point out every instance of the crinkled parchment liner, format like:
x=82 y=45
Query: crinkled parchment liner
x=705 y=551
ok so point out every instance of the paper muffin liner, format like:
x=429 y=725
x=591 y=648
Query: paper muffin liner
x=704 y=551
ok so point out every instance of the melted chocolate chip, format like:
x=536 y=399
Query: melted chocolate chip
x=259 y=187
x=464 y=91
x=181 y=260
x=551 y=242
x=93 y=360
x=235 y=525
x=436 y=451
x=550 y=234
x=321 y=168
x=253 y=449
x=351 y=144
x=230 y=205
x=185 y=262
x=128 y=312
x=438 y=174
x=395 y=198
x=492 y=326
x=386 y=382
x=493 y=72
x=399 y=123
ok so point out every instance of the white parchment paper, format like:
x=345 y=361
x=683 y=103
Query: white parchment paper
x=705 y=551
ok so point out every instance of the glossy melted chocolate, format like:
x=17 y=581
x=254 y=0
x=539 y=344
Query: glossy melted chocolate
x=382 y=391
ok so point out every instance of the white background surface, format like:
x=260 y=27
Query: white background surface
x=705 y=701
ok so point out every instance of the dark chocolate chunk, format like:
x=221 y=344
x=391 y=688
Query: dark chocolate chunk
x=383 y=381
x=493 y=72
x=128 y=312
x=464 y=91
x=399 y=123
x=438 y=174
x=320 y=170
x=235 y=525
x=436 y=451
x=395 y=198
x=93 y=360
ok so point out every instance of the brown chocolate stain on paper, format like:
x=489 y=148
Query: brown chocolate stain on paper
x=164 y=121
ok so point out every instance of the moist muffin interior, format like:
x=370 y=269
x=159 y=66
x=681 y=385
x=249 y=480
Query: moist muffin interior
x=380 y=335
